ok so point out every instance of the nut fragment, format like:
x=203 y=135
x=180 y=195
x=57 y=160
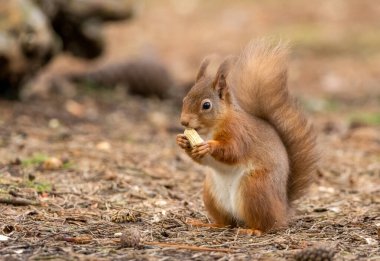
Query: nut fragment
x=193 y=137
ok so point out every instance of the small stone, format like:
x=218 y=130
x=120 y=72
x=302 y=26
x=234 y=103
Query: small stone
x=104 y=145
x=52 y=164
x=3 y=238
x=54 y=123
x=75 y=108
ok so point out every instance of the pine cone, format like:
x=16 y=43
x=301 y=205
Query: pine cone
x=130 y=238
x=315 y=254
x=142 y=77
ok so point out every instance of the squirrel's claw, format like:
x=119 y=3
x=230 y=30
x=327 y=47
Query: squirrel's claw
x=201 y=150
x=249 y=232
x=183 y=142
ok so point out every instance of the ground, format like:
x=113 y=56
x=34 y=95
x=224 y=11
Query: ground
x=81 y=167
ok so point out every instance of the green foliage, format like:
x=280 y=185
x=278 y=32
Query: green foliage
x=319 y=105
x=367 y=118
x=68 y=165
x=35 y=160
x=313 y=37
x=40 y=187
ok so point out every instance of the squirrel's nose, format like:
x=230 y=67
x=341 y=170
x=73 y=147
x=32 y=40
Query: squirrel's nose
x=185 y=123
x=185 y=119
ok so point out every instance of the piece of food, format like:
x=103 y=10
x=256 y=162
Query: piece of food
x=193 y=137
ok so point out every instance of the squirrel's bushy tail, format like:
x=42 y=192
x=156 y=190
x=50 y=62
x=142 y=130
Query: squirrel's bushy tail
x=260 y=78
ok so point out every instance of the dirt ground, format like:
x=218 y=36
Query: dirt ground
x=96 y=175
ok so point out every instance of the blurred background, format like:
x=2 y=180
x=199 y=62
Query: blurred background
x=335 y=43
x=90 y=88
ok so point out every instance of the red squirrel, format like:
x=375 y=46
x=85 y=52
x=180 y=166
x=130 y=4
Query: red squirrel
x=260 y=147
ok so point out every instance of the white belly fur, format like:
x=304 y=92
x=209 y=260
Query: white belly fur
x=225 y=184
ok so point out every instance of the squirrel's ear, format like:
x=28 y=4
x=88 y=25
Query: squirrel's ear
x=220 y=85
x=220 y=82
x=202 y=69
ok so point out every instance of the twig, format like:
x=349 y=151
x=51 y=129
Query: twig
x=18 y=202
x=194 y=248
x=56 y=193
x=14 y=193
x=198 y=223
x=76 y=240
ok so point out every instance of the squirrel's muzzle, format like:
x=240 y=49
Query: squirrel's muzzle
x=185 y=120
x=185 y=123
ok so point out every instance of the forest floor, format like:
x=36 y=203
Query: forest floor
x=96 y=175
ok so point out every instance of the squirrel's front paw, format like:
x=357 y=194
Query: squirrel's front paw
x=199 y=151
x=183 y=142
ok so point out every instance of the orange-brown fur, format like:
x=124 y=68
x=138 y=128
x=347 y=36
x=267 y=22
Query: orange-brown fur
x=263 y=202
x=261 y=206
x=259 y=138
x=260 y=75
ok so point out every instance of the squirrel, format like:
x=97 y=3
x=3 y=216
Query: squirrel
x=259 y=145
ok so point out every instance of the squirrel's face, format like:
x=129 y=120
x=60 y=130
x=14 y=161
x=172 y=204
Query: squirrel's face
x=203 y=107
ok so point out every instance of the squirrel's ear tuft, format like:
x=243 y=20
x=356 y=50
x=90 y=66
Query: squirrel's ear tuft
x=202 y=69
x=220 y=82
x=220 y=85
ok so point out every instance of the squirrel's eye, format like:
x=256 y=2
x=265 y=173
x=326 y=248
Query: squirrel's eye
x=206 y=105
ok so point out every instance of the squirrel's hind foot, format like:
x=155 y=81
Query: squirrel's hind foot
x=240 y=231
x=249 y=232
x=198 y=223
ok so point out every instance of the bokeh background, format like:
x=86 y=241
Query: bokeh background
x=335 y=43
